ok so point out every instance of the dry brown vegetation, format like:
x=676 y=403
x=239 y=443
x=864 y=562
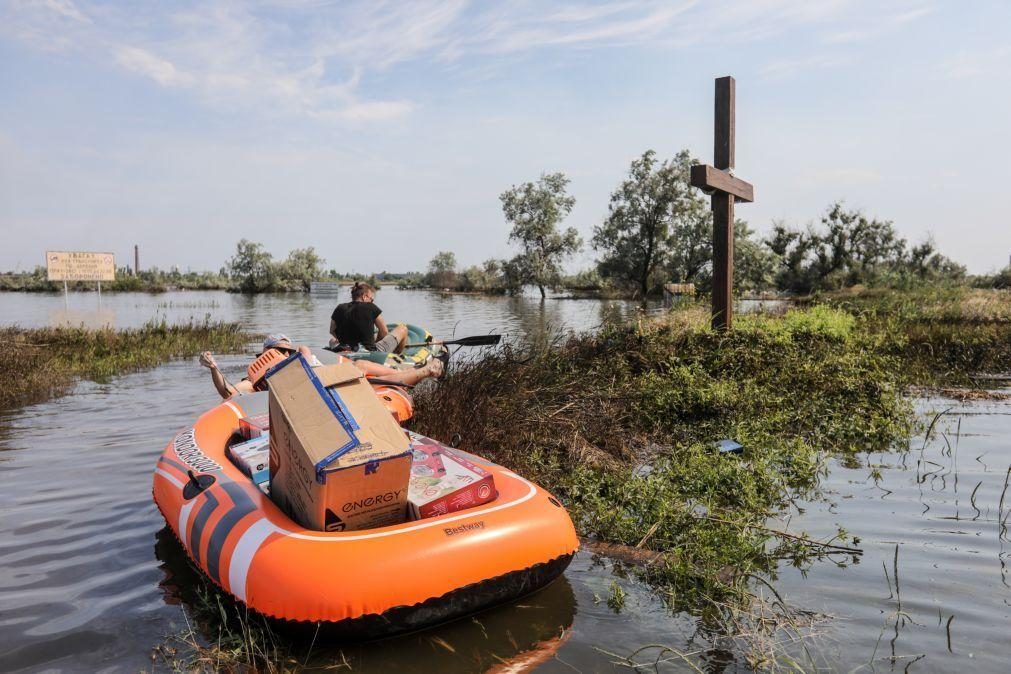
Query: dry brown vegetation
x=40 y=363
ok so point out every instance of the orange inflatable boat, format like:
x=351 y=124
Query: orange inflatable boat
x=362 y=584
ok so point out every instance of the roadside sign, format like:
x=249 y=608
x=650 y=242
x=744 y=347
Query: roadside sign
x=79 y=266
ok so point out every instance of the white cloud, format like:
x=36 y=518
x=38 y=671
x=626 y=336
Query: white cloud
x=315 y=59
x=878 y=23
x=968 y=64
x=64 y=8
x=781 y=69
x=377 y=110
x=146 y=63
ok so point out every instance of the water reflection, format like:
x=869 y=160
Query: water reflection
x=306 y=318
x=932 y=521
x=95 y=319
x=511 y=638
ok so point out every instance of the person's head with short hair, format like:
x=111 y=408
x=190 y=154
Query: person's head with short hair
x=362 y=292
x=278 y=341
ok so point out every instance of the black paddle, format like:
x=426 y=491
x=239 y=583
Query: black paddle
x=477 y=340
x=386 y=382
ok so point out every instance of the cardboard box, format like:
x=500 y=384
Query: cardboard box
x=254 y=426
x=338 y=460
x=443 y=482
x=253 y=458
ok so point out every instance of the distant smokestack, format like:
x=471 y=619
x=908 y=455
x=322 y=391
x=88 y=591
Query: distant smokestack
x=136 y=260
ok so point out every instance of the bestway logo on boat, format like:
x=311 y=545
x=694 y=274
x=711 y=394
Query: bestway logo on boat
x=189 y=452
x=464 y=528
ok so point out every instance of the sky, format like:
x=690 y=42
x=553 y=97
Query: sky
x=382 y=132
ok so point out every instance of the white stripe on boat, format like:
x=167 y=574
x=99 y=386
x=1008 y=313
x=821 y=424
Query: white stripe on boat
x=248 y=545
x=184 y=516
x=168 y=476
x=238 y=412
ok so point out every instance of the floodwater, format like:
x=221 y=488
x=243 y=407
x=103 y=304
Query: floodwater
x=306 y=318
x=91 y=581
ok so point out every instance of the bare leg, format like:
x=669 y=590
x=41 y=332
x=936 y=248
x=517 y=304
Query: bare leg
x=406 y=377
x=374 y=369
x=401 y=333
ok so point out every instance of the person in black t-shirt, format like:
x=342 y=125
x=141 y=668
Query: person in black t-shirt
x=359 y=324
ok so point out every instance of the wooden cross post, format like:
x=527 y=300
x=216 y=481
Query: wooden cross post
x=725 y=189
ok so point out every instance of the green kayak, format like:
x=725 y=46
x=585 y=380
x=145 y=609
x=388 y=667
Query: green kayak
x=411 y=357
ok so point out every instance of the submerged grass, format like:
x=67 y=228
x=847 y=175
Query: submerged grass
x=41 y=363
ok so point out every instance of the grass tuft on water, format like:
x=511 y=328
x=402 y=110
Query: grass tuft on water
x=41 y=363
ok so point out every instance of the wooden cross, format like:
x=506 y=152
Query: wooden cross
x=725 y=189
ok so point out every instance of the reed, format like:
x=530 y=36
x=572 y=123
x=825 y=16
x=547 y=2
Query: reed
x=41 y=363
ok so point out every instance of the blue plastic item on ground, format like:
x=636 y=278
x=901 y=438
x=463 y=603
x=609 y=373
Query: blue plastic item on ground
x=729 y=447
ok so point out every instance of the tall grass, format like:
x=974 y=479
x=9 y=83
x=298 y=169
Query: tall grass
x=39 y=363
x=942 y=335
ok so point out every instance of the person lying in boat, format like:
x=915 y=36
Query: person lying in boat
x=278 y=347
x=359 y=324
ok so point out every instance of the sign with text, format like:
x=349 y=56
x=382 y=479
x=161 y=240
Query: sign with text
x=70 y=266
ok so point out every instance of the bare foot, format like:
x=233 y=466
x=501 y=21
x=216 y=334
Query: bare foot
x=436 y=368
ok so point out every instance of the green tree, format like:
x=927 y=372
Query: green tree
x=849 y=249
x=442 y=270
x=252 y=267
x=513 y=274
x=303 y=265
x=755 y=265
x=535 y=211
x=1003 y=278
x=654 y=217
x=690 y=244
x=585 y=279
x=924 y=264
x=486 y=278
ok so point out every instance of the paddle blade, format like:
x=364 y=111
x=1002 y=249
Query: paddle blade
x=477 y=340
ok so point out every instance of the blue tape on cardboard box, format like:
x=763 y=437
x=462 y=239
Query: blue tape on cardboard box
x=336 y=406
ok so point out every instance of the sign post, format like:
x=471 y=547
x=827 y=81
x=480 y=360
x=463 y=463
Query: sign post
x=80 y=266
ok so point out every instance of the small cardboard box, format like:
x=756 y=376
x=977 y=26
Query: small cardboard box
x=442 y=482
x=338 y=459
x=253 y=458
x=254 y=426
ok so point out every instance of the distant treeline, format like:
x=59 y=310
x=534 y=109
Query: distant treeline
x=252 y=269
x=659 y=229
x=148 y=280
